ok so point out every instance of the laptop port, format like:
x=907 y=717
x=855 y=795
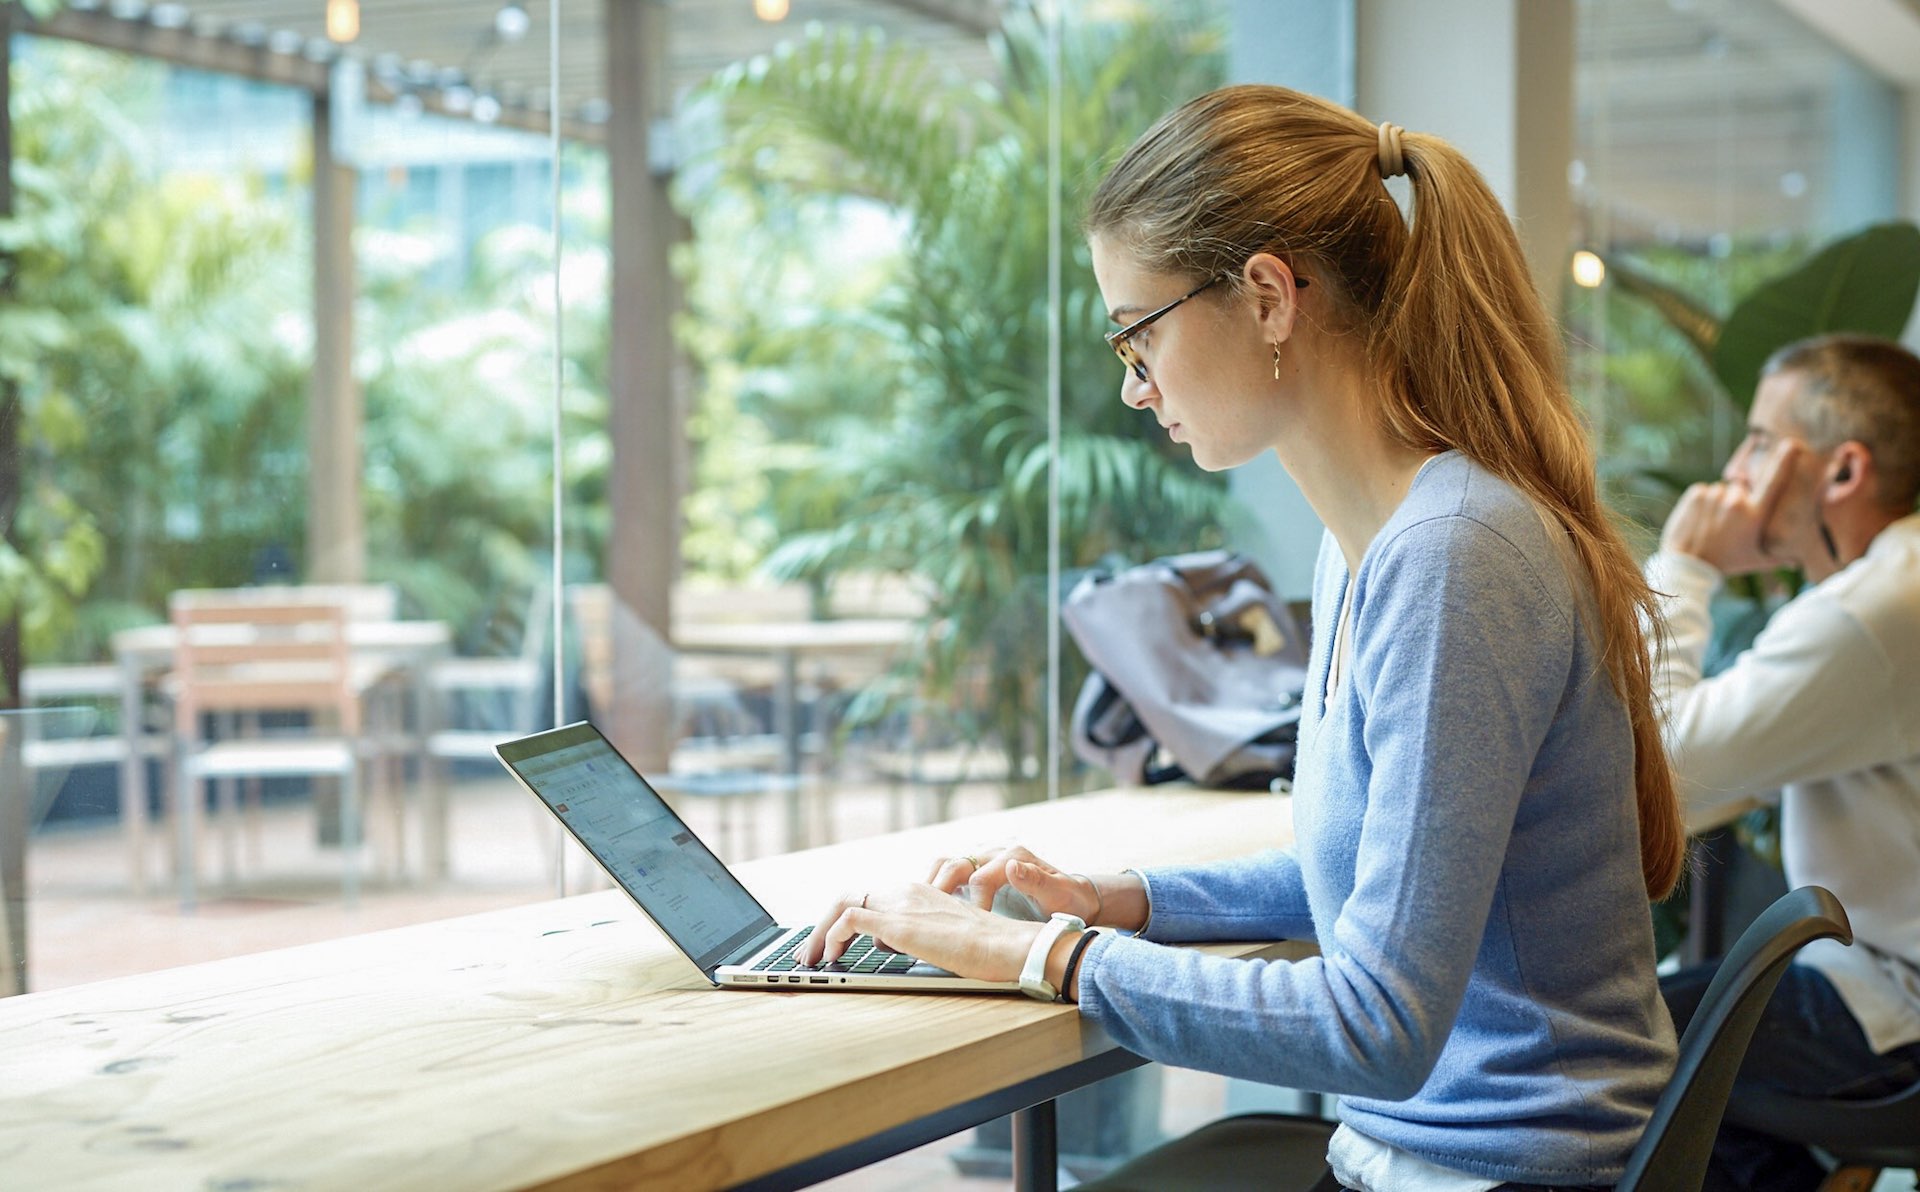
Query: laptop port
x=795 y=979
x=817 y=980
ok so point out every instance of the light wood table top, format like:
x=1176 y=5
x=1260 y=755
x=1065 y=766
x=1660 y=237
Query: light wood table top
x=557 y=1045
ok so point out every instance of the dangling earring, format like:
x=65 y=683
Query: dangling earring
x=1276 y=362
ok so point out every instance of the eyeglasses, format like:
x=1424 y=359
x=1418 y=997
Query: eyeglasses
x=1121 y=341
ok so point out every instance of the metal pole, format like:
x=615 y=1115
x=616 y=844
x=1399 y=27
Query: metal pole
x=1036 y=1149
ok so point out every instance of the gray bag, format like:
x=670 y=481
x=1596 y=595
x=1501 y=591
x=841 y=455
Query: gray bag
x=1198 y=670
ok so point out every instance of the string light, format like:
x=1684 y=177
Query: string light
x=771 y=10
x=1588 y=269
x=343 y=20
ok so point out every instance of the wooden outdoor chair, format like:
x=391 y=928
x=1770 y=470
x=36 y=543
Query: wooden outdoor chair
x=238 y=661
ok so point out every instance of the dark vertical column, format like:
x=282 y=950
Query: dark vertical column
x=336 y=534
x=14 y=795
x=646 y=423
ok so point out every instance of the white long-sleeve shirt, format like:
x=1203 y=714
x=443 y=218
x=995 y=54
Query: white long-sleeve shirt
x=1825 y=707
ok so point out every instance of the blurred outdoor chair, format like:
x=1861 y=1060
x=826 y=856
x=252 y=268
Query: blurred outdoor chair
x=486 y=700
x=235 y=661
x=479 y=702
x=721 y=752
x=360 y=602
x=67 y=735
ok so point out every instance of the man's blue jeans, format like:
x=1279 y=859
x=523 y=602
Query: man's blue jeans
x=1807 y=1043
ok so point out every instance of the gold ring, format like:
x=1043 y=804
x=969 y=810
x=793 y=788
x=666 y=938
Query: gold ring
x=973 y=861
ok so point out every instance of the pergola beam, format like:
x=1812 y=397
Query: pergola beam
x=223 y=55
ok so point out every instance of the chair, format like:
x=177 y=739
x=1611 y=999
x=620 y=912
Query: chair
x=82 y=692
x=247 y=658
x=720 y=753
x=362 y=602
x=1864 y=1136
x=502 y=692
x=1260 y=1150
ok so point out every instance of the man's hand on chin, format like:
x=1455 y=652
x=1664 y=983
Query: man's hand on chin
x=1723 y=523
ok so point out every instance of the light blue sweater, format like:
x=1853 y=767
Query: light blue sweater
x=1467 y=856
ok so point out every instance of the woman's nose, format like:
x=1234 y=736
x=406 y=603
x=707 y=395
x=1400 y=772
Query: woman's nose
x=1135 y=392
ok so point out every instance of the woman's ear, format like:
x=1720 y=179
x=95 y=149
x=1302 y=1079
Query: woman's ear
x=1276 y=294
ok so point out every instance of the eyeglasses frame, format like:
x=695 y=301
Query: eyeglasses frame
x=1121 y=341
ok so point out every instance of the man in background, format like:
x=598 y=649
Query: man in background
x=1822 y=712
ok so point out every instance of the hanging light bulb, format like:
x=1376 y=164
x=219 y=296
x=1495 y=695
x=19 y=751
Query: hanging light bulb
x=770 y=10
x=343 y=20
x=1588 y=269
x=511 y=22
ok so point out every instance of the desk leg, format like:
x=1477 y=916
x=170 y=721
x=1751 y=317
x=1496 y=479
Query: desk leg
x=786 y=723
x=133 y=776
x=1036 y=1149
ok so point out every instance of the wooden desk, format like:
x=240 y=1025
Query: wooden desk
x=562 y=1044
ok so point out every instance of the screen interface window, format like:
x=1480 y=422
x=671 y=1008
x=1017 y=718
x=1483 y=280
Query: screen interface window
x=683 y=886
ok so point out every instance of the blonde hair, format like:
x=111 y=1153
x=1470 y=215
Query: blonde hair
x=1465 y=352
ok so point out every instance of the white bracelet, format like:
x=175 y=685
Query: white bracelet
x=1033 y=975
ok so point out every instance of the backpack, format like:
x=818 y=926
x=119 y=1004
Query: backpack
x=1198 y=672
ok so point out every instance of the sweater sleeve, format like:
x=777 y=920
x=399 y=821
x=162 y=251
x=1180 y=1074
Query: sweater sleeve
x=1456 y=707
x=1260 y=897
x=1811 y=698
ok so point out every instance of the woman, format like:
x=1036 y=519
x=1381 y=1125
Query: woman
x=1482 y=805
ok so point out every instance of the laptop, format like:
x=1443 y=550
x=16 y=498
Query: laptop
x=686 y=891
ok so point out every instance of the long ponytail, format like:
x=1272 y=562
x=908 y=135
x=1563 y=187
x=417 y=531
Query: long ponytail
x=1467 y=354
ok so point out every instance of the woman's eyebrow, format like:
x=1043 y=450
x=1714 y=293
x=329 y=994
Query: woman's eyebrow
x=1118 y=314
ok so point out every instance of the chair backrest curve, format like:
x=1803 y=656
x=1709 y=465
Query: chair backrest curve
x=1672 y=1155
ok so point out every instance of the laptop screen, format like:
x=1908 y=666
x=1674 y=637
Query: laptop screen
x=638 y=839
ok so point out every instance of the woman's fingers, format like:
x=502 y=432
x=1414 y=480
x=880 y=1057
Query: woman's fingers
x=851 y=922
x=808 y=953
x=951 y=873
x=1052 y=890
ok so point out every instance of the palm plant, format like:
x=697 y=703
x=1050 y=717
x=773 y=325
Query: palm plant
x=923 y=386
x=162 y=406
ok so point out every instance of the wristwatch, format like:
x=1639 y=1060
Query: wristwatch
x=1033 y=975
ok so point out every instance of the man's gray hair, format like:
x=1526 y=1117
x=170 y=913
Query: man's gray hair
x=1864 y=389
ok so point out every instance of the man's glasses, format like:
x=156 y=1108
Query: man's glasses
x=1121 y=341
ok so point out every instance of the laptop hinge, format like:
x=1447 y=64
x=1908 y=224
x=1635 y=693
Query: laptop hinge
x=754 y=945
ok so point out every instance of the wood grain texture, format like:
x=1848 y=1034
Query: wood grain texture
x=557 y=1045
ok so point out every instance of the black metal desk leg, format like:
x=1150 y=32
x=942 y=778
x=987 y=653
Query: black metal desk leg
x=1036 y=1149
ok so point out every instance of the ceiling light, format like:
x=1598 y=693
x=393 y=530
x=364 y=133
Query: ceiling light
x=770 y=10
x=343 y=20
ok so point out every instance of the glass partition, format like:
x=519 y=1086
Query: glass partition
x=280 y=567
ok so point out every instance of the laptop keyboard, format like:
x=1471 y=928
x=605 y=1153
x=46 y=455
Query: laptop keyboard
x=861 y=956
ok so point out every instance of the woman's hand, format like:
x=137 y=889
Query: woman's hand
x=927 y=923
x=1051 y=889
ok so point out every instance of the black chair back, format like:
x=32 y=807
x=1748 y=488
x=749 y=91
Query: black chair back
x=1881 y=1131
x=1673 y=1153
